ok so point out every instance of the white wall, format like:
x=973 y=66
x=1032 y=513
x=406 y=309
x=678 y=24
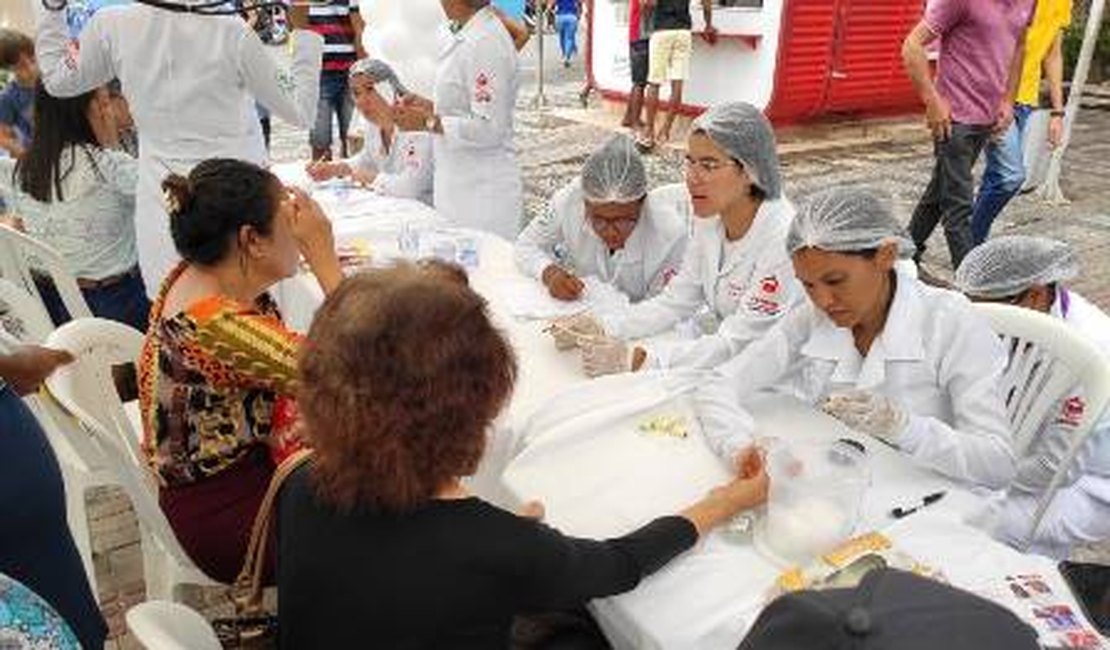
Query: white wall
x=16 y=14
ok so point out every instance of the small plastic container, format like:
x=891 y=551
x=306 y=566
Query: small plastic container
x=408 y=241
x=468 y=254
x=814 y=500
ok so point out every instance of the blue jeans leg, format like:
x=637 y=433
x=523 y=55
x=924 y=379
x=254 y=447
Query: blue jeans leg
x=1003 y=176
x=567 y=26
x=334 y=100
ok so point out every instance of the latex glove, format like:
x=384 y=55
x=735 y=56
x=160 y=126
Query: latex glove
x=570 y=331
x=605 y=356
x=872 y=413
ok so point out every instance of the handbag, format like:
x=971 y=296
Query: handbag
x=252 y=626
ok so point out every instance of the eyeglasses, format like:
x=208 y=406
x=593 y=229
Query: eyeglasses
x=623 y=224
x=1003 y=300
x=706 y=166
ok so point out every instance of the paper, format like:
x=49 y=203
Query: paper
x=529 y=299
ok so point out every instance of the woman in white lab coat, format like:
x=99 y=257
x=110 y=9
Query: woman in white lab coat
x=910 y=364
x=1030 y=272
x=607 y=225
x=735 y=266
x=191 y=81
x=477 y=182
x=391 y=162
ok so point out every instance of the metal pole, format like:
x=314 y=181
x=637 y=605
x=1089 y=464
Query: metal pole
x=540 y=100
x=1050 y=189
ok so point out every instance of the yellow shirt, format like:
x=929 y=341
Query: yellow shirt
x=1051 y=17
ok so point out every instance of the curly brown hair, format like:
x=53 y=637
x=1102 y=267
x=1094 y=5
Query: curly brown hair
x=401 y=375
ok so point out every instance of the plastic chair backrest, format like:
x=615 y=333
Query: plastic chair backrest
x=21 y=254
x=162 y=625
x=1047 y=361
x=85 y=389
x=21 y=316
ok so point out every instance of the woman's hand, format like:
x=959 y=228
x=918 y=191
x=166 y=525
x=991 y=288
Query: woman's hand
x=27 y=367
x=411 y=117
x=363 y=178
x=562 y=284
x=322 y=170
x=746 y=491
x=311 y=229
x=102 y=119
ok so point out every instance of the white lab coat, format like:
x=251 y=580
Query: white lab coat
x=748 y=285
x=477 y=182
x=935 y=356
x=1080 y=511
x=649 y=259
x=191 y=82
x=406 y=170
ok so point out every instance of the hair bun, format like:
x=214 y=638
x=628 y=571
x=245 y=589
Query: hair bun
x=177 y=193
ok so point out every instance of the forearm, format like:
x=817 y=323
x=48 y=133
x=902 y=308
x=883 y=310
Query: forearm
x=358 y=25
x=707 y=12
x=1013 y=81
x=1054 y=72
x=916 y=63
x=9 y=142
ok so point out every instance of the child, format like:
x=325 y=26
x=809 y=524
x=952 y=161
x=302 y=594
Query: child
x=17 y=56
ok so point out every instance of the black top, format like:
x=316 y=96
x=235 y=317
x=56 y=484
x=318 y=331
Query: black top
x=450 y=575
x=672 y=14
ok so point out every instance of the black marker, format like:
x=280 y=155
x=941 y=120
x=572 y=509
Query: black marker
x=929 y=499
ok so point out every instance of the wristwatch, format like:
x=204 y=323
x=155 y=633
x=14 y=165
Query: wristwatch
x=1056 y=112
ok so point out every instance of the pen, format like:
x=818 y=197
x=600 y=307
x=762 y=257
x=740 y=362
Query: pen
x=929 y=499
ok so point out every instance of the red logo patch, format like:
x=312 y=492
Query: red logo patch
x=483 y=88
x=769 y=285
x=1071 y=414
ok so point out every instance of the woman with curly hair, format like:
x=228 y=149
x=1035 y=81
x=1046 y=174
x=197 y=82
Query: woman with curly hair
x=402 y=374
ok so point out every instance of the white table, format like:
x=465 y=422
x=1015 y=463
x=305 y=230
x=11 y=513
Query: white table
x=709 y=597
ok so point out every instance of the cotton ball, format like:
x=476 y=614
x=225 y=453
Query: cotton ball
x=799 y=530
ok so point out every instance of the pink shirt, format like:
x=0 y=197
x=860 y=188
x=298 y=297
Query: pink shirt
x=978 y=39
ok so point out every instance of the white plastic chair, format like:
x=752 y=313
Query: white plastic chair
x=20 y=254
x=1047 y=360
x=86 y=390
x=24 y=321
x=162 y=625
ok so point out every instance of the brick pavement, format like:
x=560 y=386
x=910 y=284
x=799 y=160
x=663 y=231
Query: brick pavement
x=893 y=156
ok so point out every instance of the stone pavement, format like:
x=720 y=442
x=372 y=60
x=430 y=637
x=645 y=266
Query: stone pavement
x=892 y=155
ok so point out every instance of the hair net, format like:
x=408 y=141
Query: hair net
x=746 y=135
x=614 y=173
x=844 y=220
x=379 y=73
x=1007 y=266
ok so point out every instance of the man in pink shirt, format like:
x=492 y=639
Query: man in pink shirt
x=971 y=100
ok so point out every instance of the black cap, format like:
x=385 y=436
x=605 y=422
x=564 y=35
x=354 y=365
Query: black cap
x=889 y=610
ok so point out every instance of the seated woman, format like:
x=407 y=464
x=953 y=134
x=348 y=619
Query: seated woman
x=606 y=224
x=735 y=267
x=219 y=367
x=77 y=195
x=1031 y=272
x=391 y=162
x=378 y=538
x=886 y=354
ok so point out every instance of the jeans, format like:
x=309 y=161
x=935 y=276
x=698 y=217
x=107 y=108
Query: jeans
x=567 y=27
x=334 y=99
x=36 y=547
x=1003 y=176
x=948 y=197
x=124 y=301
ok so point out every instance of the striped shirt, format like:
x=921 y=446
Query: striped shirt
x=333 y=22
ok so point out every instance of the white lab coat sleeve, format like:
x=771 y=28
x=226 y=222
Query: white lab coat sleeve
x=1035 y=470
x=416 y=176
x=763 y=304
x=727 y=426
x=290 y=94
x=7 y=182
x=490 y=73
x=680 y=299
x=977 y=446
x=535 y=246
x=669 y=268
x=67 y=72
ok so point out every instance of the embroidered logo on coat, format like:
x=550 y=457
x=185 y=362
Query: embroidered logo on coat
x=483 y=88
x=769 y=285
x=669 y=273
x=766 y=302
x=1071 y=413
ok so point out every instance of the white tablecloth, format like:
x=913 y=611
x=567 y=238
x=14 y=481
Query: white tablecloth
x=598 y=476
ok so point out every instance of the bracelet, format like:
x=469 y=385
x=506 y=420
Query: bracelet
x=1056 y=112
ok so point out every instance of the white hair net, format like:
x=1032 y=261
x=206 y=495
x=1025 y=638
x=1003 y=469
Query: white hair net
x=745 y=133
x=379 y=73
x=614 y=173
x=1006 y=266
x=844 y=220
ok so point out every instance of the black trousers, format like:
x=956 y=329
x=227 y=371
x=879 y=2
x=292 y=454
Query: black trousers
x=951 y=192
